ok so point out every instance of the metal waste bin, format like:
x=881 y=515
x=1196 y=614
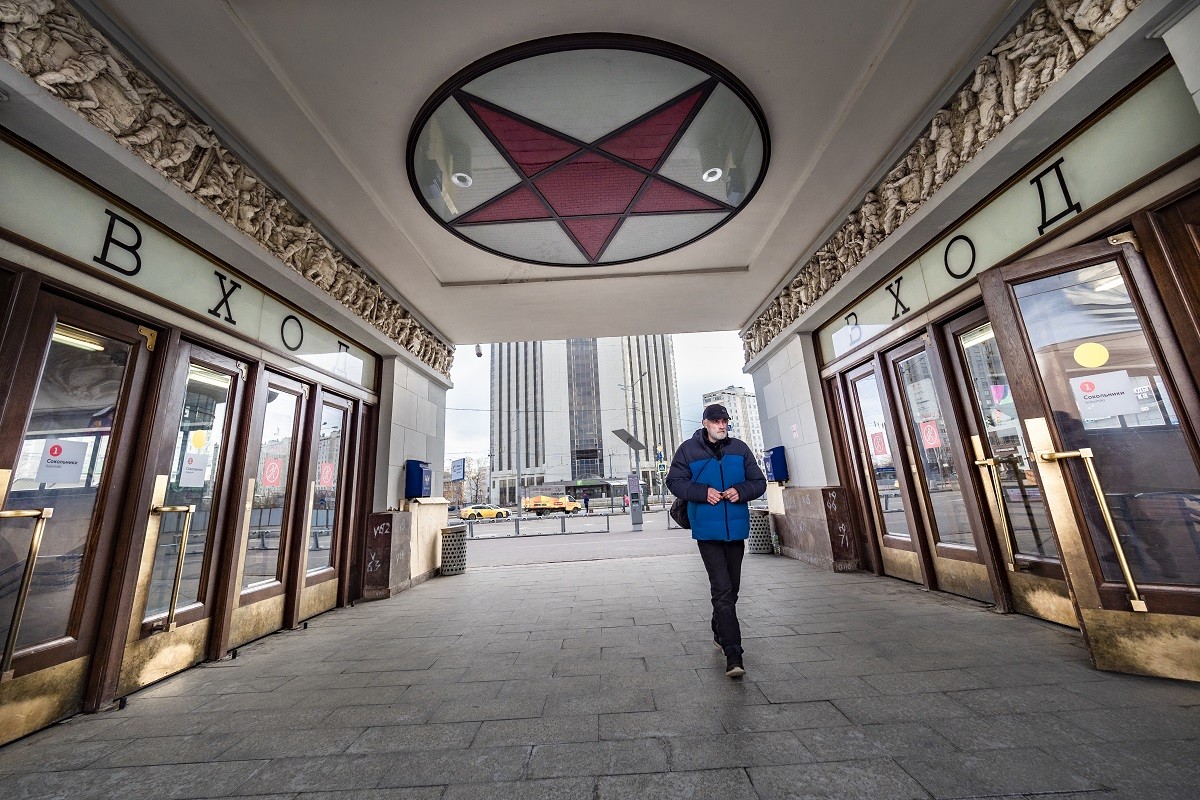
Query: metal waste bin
x=760 y=532
x=454 y=550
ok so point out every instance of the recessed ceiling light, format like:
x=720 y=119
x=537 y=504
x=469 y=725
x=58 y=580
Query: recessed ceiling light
x=712 y=175
x=462 y=180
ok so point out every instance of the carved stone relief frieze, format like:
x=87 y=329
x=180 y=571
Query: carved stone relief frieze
x=1046 y=43
x=50 y=42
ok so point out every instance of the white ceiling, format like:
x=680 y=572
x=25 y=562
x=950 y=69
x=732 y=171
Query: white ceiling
x=322 y=94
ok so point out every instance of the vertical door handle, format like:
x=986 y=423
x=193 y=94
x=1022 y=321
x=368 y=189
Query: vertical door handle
x=39 y=515
x=988 y=467
x=187 y=511
x=1086 y=455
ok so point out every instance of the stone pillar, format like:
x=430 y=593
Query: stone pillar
x=1183 y=40
x=810 y=512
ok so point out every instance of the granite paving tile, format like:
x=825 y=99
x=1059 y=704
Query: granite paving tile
x=659 y=723
x=875 y=779
x=716 y=784
x=734 y=751
x=874 y=741
x=901 y=708
x=995 y=773
x=396 y=738
x=193 y=749
x=547 y=789
x=597 y=758
x=411 y=793
x=782 y=717
x=537 y=730
x=174 y=782
x=995 y=731
x=444 y=767
x=38 y=754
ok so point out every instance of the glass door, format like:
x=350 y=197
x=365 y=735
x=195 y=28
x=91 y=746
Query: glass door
x=876 y=445
x=65 y=453
x=273 y=517
x=1020 y=523
x=1108 y=403
x=192 y=506
x=933 y=443
x=330 y=513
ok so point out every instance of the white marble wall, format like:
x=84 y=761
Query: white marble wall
x=789 y=395
x=1183 y=40
x=412 y=424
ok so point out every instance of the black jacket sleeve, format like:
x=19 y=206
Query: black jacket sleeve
x=679 y=479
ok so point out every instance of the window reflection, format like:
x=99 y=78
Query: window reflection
x=1022 y=496
x=874 y=426
x=199 y=444
x=323 y=532
x=1107 y=394
x=272 y=489
x=932 y=444
x=62 y=464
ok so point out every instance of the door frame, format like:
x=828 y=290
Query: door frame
x=950 y=331
x=1075 y=542
x=109 y=579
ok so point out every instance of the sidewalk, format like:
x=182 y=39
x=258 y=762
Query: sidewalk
x=599 y=680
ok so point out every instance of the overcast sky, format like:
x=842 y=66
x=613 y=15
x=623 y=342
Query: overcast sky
x=704 y=362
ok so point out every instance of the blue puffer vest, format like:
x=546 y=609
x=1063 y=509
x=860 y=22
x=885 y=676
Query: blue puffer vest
x=697 y=466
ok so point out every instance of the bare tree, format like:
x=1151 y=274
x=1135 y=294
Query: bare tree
x=475 y=482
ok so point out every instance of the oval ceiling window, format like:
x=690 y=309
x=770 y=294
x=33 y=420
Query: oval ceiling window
x=588 y=149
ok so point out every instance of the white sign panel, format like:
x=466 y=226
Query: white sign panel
x=193 y=471
x=1157 y=124
x=48 y=207
x=1108 y=394
x=62 y=461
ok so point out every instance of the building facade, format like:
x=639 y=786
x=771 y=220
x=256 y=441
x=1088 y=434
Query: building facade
x=985 y=379
x=555 y=405
x=743 y=414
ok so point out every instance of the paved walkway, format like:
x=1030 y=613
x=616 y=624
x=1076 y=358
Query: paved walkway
x=598 y=680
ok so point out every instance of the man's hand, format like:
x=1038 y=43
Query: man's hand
x=729 y=494
x=714 y=496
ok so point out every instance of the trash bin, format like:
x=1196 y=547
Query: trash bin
x=760 y=532
x=454 y=550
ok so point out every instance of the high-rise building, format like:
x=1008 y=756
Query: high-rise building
x=555 y=405
x=743 y=415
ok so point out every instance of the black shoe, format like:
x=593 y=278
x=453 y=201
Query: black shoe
x=733 y=664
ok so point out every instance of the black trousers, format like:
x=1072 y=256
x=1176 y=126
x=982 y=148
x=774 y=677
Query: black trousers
x=723 y=560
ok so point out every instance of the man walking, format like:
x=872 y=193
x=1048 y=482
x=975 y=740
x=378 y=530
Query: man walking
x=718 y=476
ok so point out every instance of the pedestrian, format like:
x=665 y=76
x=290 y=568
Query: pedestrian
x=718 y=476
x=587 y=503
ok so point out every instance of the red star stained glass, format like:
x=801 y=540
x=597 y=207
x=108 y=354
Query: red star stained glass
x=587 y=149
x=589 y=188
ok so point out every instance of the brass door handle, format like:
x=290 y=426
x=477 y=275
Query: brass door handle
x=40 y=515
x=1086 y=455
x=188 y=511
x=988 y=466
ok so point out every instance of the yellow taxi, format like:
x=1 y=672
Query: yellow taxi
x=482 y=511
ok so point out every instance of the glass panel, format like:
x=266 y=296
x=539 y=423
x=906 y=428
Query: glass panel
x=199 y=444
x=272 y=489
x=931 y=441
x=329 y=481
x=1107 y=393
x=874 y=425
x=1006 y=443
x=61 y=466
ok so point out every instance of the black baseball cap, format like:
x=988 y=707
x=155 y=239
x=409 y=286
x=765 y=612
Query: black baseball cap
x=715 y=412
